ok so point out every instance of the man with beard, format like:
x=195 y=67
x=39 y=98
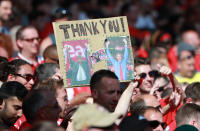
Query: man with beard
x=20 y=71
x=11 y=96
x=5 y=13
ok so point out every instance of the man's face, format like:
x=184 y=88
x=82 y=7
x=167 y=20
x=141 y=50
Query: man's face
x=147 y=82
x=30 y=42
x=186 y=64
x=25 y=70
x=119 y=57
x=108 y=93
x=5 y=10
x=62 y=100
x=151 y=115
x=11 y=111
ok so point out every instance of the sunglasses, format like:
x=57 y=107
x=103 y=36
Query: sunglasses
x=31 y=39
x=163 y=124
x=27 y=77
x=152 y=73
x=161 y=88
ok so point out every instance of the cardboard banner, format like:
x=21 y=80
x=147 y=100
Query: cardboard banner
x=86 y=46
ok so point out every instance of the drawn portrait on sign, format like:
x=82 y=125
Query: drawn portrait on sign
x=77 y=62
x=119 y=57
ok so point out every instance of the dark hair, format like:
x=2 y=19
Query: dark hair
x=3 y=65
x=13 y=67
x=45 y=71
x=186 y=113
x=50 y=84
x=13 y=88
x=141 y=61
x=36 y=99
x=19 y=34
x=193 y=91
x=98 y=75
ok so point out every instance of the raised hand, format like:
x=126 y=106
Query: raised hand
x=125 y=41
x=107 y=43
x=164 y=70
x=174 y=100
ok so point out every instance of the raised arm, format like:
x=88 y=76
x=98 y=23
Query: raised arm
x=126 y=49
x=123 y=103
x=108 y=52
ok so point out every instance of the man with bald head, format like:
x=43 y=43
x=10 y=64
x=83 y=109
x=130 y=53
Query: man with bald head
x=145 y=100
x=153 y=114
x=50 y=54
x=191 y=37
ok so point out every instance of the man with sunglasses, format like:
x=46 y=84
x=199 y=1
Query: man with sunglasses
x=21 y=71
x=186 y=64
x=144 y=70
x=27 y=39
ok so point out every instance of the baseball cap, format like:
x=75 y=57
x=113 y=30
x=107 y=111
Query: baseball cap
x=93 y=115
x=184 y=46
x=186 y=128
x=136 y=123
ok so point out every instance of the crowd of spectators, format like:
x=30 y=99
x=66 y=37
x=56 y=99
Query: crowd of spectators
x=165 y=92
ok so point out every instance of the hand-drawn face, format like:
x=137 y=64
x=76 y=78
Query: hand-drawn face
x=119 y=57
x=79 y=59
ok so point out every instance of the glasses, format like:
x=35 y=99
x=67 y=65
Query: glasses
x=27 y=77
x=161 y=88
x=187 y=57
x=163 y=124
x=152 y=73
x=31 y=39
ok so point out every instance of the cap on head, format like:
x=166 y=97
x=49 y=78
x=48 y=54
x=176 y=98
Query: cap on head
x=93 y=115
x=136 y=123
x=186 y=128
x=184 y=46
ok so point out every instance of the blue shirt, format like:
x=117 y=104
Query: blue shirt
x=4 y=30
x=117 y=64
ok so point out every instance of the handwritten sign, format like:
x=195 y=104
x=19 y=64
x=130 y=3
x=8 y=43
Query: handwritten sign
x=85 y=46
